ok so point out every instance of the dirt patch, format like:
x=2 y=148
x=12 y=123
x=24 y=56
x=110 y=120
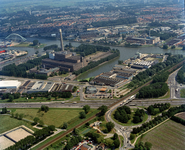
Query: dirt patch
x=5 y=142
x=181 y=115
x=18 y=134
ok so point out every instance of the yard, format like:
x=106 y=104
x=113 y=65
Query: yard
x=169 y=135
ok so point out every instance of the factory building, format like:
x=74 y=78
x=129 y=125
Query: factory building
x=9 y=84
x=65 y=60
x=44 y=71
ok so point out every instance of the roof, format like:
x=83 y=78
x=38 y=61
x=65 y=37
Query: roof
x=9 y=83
x=103 y=89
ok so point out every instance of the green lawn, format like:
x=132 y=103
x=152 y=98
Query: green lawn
x=168 y=136
x=54 y=116
x=182 y=93
x=129 y=123
x=8 y=123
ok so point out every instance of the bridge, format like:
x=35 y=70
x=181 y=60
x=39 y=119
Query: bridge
x=15 y=37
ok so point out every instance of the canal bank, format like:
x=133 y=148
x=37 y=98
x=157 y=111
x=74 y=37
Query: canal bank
x=125 y=53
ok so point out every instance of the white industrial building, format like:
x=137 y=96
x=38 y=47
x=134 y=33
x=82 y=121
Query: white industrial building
x=9 y=84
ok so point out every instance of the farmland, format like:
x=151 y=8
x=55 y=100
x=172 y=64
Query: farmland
x=169 y=135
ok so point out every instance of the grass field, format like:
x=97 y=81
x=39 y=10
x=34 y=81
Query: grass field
x=54 y=116
x=182 y=93
x=8 y=123
x=168 y=136
x=129 y=123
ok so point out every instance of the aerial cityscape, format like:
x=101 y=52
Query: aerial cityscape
x=92 y=75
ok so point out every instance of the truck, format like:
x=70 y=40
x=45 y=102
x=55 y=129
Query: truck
x=131 y=97
x=176 y=90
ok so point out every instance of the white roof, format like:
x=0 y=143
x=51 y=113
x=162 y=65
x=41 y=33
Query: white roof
x=9 y=83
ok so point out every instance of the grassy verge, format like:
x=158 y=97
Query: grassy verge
x=122 y=140
x=182 y=93
x=130 y=123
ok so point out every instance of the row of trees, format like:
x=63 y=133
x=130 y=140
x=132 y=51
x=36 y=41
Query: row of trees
x=115 y=22
x=27 y=142
x=143 y=146
x=161 y=107
x=153 y=90
x=148 y=125
x=48 y=94
x=20 y=70
x=179 y=120
x=144 y=76
x=95 y=64
x=122 y=114
x=180 y=75
x=10 y=96
x=53 y=47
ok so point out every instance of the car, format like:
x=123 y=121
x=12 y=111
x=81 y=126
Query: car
x=181 y=84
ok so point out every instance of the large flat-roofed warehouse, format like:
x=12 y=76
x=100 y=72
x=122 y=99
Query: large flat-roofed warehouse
x=9 y=84
x=41 y=86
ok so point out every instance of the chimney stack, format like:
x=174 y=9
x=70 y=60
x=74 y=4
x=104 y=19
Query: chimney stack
x=61 y=40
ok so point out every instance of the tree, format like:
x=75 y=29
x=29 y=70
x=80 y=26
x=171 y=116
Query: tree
x=11 y=98
x=36 y=120
x=148 y=145
x=21 y=116
x=64 y=125
x=115 y=136
x=49 y=97
x=4 y=110
x=109 y=142
x=165 y=46
x=76 y=131
x=103 y=109
x=51 y=127
x=110 y=126
x=173 y=47
x=35 y=42
x=116 y=143
x=82 y=115
x=86 y=108
x=44 y=108
x=41 y=123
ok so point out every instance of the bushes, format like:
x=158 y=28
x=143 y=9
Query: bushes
x=162 y=107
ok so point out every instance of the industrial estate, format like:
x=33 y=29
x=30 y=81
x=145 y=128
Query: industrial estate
x=93 y=76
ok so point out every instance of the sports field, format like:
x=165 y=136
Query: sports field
x=168 y=136
x=53 y=117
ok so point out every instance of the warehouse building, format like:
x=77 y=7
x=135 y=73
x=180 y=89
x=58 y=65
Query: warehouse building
x=9 y=84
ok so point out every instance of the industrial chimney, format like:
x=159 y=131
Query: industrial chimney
x=61 y=40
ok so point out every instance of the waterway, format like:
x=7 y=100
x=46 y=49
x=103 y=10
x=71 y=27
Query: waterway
x=125 y=53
